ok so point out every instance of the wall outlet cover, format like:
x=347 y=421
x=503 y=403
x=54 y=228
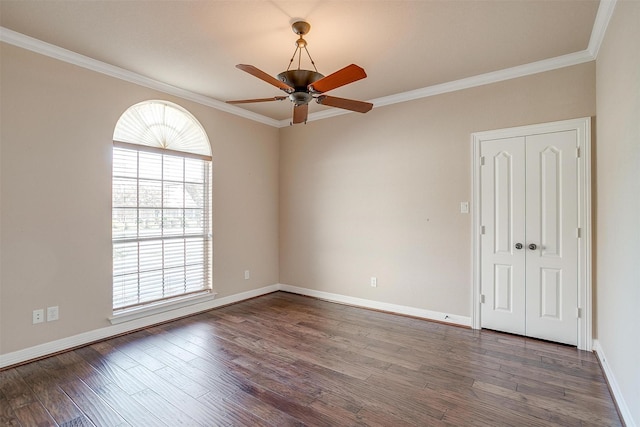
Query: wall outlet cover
x=38 y=316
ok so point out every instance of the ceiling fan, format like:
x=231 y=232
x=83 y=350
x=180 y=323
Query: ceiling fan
x=302 y=86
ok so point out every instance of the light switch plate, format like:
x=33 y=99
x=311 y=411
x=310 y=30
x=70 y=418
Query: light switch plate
x=52 y=313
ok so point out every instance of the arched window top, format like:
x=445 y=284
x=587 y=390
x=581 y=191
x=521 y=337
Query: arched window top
x=162 y=124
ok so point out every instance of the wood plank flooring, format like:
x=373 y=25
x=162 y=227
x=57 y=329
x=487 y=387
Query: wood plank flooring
x=288 y=360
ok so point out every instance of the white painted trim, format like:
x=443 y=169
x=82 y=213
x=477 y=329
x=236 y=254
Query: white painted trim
x=583 y=127
x=605 y=11
x=147 y=310
x=625 y=413
x=488 y=78
x=52 y=51
x=377 y=305
x=476 y=227
x=585 y=296
x=84 y=338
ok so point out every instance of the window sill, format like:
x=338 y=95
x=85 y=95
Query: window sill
x=126 y=315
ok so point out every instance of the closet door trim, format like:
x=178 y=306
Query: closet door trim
x=582 y=126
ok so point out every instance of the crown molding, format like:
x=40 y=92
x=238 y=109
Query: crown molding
x=56 y=52
x=466 y=83
x=488 y=78
x=605 y=11
x=603 y=16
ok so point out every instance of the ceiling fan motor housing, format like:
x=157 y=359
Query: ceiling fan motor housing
x=299 y=79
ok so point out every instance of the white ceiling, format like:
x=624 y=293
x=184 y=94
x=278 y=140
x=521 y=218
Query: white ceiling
x=402 y=45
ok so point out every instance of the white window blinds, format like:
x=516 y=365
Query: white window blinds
x=161 y=212
x=161 y=225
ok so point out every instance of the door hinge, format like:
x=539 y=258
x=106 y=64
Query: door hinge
x=482 y=229
x=578 y=152
x=481 y=160
x=481 y=299
x=578 y=232
x=578 y=312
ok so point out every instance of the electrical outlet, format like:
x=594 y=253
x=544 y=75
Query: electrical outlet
x=374 y=282
x=38 y=316
x=52 y=313
x=247 y=275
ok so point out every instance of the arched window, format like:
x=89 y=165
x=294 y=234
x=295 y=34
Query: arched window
x=161 y=212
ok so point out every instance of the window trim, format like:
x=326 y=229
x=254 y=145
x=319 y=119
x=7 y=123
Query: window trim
x=161 y=306
x=158 y=150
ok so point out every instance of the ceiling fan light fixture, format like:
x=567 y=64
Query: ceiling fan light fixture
x=300 y=98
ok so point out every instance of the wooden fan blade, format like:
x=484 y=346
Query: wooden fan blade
x=347 y=104
x=247 y=101
x=348 y=74
x=300 y=113
x=265 y=77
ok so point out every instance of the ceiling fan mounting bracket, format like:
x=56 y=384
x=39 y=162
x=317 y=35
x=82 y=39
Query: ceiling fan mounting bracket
x=301 y=28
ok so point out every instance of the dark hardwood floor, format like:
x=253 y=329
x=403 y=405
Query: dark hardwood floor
x=284 y=359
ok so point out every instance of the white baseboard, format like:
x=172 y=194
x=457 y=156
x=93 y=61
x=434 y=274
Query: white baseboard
x=84 y=338
x=52 y=347
x=625 y=413
x=383 y=306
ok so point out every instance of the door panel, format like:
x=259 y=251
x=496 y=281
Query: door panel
x=551 y=224
x=549 y=205
x=503 y=164
x=503 y=288
x=503 y=272
x=550 y=293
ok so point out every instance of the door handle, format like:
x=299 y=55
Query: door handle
x=533 y=246
x=518 y=245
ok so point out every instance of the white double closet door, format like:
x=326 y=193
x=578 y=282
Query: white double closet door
x=529 y=244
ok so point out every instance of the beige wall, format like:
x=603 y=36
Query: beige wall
x=379 y=194
x=617 y=222
x=55 y=176
x=360 y=196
